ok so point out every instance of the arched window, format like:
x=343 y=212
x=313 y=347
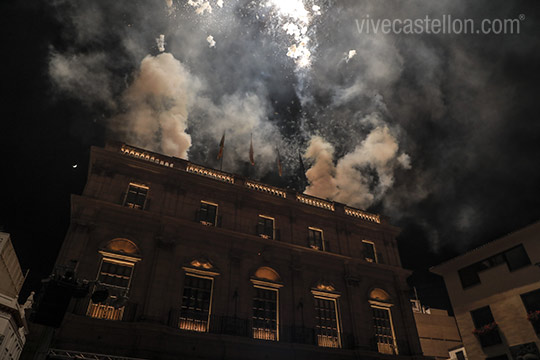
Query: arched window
x=327 y=320
x=383 y=327
x=196 y=304
x=113 y=280
x=266 y=283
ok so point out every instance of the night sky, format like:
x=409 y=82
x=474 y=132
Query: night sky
x=439 y=132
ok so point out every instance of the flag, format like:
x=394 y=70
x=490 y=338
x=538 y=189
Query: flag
x=302 y=168
x=279 y=163
x=221 y=146
x=251 y=151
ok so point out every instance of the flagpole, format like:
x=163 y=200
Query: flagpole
x=221 y=163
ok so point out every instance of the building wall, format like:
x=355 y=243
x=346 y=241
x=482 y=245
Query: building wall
x=13 y=328
x=438 y=332
x=11 y=277
x=169 y=238
x=500 y=289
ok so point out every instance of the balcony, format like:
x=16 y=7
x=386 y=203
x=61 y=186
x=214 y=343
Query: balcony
x=234 y=326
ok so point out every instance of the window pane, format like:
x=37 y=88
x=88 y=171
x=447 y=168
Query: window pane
x=207 y=213
x=482 y=317
x=115 y=279
x=265 y=314
x=265 y=227
x=195 y=303
x=326 y=327
x=517 y=258
x=383 y=331
x=369 y=251
x=531 y=301
x=136 y=196
x=315 y=239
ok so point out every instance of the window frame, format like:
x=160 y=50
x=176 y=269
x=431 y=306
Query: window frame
x=132 y=205
x=270 y=286
x=375 y=259
x=321 y=231
x=489 y=339
x=208 y=275
x=374 y=304
x=105 y=309
x=204 y=222
x=266 y=236
x=331 y=296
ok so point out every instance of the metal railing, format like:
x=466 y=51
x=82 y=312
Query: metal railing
x=229 y=325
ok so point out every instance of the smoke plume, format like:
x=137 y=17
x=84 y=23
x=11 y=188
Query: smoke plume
x=157 y=105
x=388 y=122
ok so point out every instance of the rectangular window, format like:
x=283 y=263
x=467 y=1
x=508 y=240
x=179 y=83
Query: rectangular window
x=469 y=276
x=326 y=320
x=481 y=318
x=369 y=251
x=265 y=314
x=114 y=277
x=196 y=303
x=531 y=301
x=516 y=258
x=136 y=196
x=208 y=213
x=265 y=227
x=460 y=355
x=315 y=238
x=384 y=330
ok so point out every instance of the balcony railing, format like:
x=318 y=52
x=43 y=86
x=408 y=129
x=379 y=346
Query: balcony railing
x=143 y=155
x=362 y=215
x=253 y=185
x=235 y=326
x=313 y=201
x=266 y=189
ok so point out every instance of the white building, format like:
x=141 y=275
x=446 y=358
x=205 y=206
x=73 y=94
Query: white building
x=13 y=328
x=495 y=293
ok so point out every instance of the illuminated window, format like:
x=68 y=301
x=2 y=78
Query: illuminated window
x=196 y=303
x=327 y=322
x=265 y=313
x=265 y=227
x=266 y=283
x=315 y=238
x=136 y=196
x=383 y=326
x=369 y=251
x=208 y=213
x=110 y=292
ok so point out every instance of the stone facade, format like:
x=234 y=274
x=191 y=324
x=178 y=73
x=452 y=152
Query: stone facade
x=494 y=289
x=162 y=229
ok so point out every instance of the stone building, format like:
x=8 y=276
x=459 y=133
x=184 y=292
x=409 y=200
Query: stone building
x=186 y=262
x=438 y=332
x=495 y=294
x=13 y=327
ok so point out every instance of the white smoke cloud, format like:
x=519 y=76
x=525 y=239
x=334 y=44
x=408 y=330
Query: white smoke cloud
x=321 y=175
x=83 y=76
x=362 y=176
x=157 y=104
